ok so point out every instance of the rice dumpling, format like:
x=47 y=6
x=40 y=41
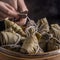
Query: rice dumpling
x=15 y=27
x=9 y=38
x=31 y=45
x=43 y=26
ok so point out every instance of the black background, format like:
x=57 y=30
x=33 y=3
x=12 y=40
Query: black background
x=40 y=9
x=44 y=8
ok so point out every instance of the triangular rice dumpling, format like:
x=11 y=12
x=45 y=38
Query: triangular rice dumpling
x=43 y=26
x=31 y=45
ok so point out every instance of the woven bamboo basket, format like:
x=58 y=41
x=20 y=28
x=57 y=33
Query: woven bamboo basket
x=10 y=55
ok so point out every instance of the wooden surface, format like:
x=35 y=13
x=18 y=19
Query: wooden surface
x=4 y=57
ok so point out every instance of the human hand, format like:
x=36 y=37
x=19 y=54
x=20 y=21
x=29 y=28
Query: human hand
x=11 y=8
x=7 y=9
x=22 y=8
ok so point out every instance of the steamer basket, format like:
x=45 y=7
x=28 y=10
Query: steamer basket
x=10 y=55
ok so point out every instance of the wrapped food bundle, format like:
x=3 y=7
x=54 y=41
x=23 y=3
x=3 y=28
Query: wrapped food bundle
x=14 y=26
x=55 y=40
x=53 y=44
x=9 y=38
x=37 y=38
x=43 y=26
x=55 y=28
x=31 y=45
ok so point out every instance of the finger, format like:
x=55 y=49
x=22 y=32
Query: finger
x=8 y=11
x=10 y=7
x=3 y=14
x=13 y=3
x=22 y=5
x=22 y=21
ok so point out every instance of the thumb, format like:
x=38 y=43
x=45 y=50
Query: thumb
x=22 y=6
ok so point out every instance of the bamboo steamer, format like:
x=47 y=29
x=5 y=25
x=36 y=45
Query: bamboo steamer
x=10 y=55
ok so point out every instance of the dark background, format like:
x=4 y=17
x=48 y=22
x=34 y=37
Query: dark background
x=40 y=9
x=44 y=8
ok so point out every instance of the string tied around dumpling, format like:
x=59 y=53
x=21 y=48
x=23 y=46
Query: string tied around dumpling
x=30 y=31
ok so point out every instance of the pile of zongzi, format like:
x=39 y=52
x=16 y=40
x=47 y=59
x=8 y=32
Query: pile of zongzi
x=36 y=38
